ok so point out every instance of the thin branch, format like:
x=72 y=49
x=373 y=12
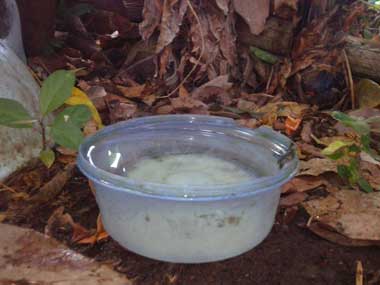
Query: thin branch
x=350 y=81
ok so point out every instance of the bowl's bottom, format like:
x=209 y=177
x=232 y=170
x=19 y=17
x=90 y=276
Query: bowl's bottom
x=187 y=231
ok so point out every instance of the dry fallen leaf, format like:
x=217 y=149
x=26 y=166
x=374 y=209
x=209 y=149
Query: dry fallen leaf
x=254 y=13
x=281 y=109
x=98 y=236
x=59 y=219
x=293 y=199
x=186 y=103
x=354 y=214
x=317 y=166
x=132 y=92
x=173 y=12
x=368 y=93
x=28 y=257
x=371 y=172
x=303 y=183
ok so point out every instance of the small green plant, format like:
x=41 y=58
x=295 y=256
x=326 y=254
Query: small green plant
x=65 y=130
x=348 y=153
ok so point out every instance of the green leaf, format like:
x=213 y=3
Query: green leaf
x=335 y=146
x=14 y=115
x=47 y=156
x=77 y=115
x=264 y=55
x=336 y=155
x=364 y=185
x=343 y=171
x=354 y=171
x=359 y=126
x=55 y=90
x=66 y=134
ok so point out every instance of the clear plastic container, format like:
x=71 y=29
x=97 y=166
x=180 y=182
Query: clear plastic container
x=187 y=223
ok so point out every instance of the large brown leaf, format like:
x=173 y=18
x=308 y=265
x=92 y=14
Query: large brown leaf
x=28 y=257
x=353 y=214
x=254 y=13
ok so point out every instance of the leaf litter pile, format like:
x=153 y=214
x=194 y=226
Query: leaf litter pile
x=257 y=63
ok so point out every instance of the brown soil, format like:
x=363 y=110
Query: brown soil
x=289 y=255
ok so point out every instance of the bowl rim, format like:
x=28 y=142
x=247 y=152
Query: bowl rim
x=164 y=191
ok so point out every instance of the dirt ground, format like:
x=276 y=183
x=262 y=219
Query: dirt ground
x=291 y=254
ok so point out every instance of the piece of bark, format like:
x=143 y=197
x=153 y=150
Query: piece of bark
x=28 y=257
x=364 y=57
x=276 y=37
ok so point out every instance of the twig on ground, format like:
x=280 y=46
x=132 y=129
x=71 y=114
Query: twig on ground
x=359 y=273
x=350 y=81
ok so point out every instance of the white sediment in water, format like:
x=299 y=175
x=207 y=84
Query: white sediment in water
x=188 y=170
x=189 y=230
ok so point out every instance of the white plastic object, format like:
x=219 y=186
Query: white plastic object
x=17 y=146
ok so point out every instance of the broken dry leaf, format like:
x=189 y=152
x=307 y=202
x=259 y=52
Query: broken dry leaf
x=303 y=183
x=317 y=166
x=354 y=214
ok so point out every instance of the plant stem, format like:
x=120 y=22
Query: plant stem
x=43 y=134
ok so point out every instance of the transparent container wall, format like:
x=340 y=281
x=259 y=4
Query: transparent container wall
x=119 y=153
x=187 y=231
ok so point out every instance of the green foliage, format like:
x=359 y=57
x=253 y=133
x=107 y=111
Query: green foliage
x=264 y=55
x=348 y=152
x=66 y=134
x=77 y=115
x=66 y=128
x=55 y=90
x=14 y=115
x=47 y=156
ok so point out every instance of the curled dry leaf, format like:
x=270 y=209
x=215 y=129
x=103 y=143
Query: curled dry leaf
x=317 y=166
x=353 y=214
x=98 y=236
